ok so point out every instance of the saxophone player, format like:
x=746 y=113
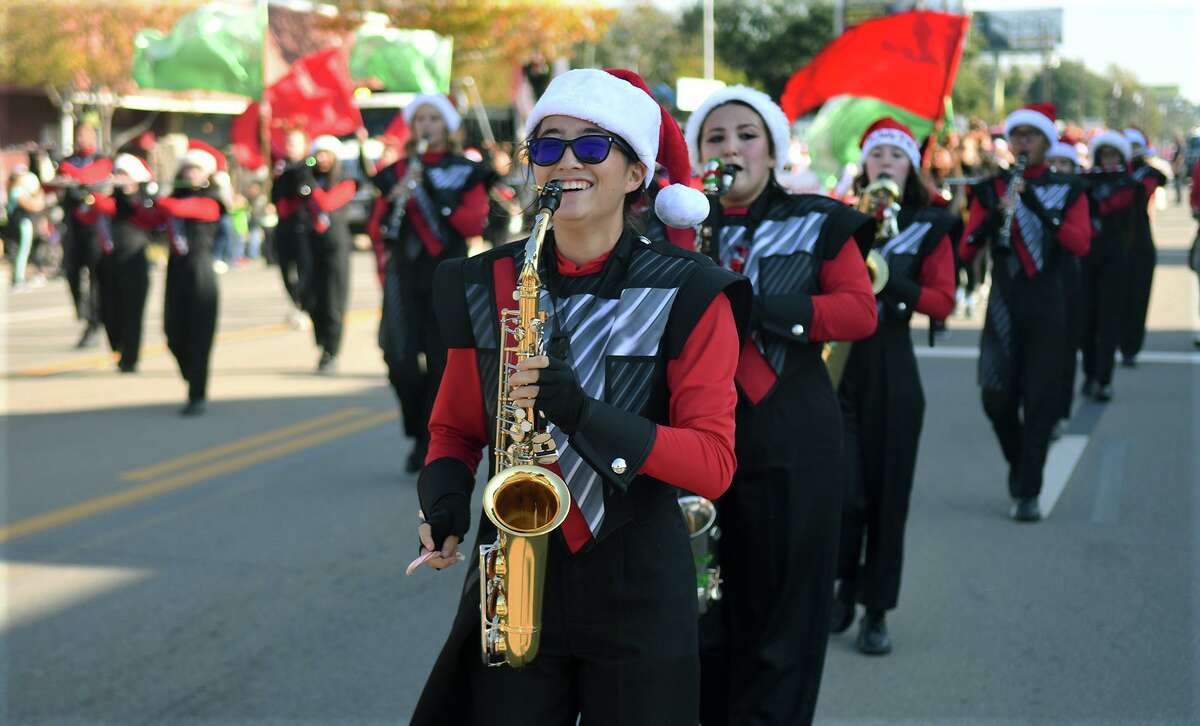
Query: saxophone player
x=434 y=200
x=882 y=400
x=1030 y=221
x=641 y=344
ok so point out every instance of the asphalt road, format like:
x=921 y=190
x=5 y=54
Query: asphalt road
x=246 y=567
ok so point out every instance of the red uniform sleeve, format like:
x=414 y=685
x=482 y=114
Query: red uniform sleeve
x=695 y=452
x=937 y=282
x=977 y=215
x=471 y=215
x=456 y=425
x=1196 y=188
x=845 y=309
x=101 y=205
x=1117 y=201
x=1076 y=231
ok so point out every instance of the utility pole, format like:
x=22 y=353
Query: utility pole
x=709 y=60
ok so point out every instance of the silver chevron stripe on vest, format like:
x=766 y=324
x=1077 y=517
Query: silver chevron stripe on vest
x=772 y=237
x=1052 y=197
x=908 y=241
x=448 y=177
x=632 y=326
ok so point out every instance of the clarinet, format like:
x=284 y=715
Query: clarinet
x=400 y=194
x=1010 y=195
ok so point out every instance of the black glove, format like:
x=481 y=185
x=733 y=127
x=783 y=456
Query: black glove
x=442 y=489
x=560 y=396
x=901 y=287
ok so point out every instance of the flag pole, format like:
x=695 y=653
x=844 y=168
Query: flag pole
x=264 y=113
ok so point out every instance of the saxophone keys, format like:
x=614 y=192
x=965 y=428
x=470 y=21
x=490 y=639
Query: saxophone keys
x=517 y=435
x=519 y=413
x=550 y=459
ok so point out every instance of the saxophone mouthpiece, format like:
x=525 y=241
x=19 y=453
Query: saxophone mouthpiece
x=551 y=196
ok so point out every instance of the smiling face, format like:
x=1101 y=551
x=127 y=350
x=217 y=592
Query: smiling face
x=428 y=124
x=890 y=160
x=735 y=134
x=591 y=192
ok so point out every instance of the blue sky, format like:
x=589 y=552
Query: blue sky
x=1159 y=40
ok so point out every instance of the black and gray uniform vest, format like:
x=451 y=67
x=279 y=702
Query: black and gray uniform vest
x=618 y=328
x=1040 y=211
x=780 y=245
x=921 y=231
x=1112 y=233
x=443 y=185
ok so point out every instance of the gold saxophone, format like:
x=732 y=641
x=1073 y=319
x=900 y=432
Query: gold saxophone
x=525 y=501
x=879 y=200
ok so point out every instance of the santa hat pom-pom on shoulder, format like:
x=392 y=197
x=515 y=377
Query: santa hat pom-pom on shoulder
x=680 y=206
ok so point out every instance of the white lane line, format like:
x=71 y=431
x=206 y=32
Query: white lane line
x=22 y=316
x=1060 y=464
x=963 y=352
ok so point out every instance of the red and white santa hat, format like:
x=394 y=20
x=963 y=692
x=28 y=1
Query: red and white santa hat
x=1113 y=140
x=774 y=119
x=887 y=131
x=1135 y=136
x=133 y=167
x=1040 y=116
x=619 y=101
x=441 y=103
x=204 y=156
x=1062 y=150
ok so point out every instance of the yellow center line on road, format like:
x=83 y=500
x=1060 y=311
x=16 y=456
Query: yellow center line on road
x=103 y=360
x=150 y=472
x=68 y=515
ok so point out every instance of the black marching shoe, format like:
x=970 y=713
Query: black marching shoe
x=413 y=465
x=1128 y=361
x=1089 y=388
x=1026 y=509
x=193 y=408
x=88 y=339
x=1104 y=393
x=127 y=367
x=842 y=614
x=327 y=364
x=873 y=638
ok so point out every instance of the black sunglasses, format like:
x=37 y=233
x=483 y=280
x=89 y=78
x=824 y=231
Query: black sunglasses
x=590 y=149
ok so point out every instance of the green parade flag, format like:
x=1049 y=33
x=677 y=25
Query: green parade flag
x=834 y=136
x=405 y=61
x=217 y=47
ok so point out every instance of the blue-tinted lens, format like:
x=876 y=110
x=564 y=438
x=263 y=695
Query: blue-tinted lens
x=546 y=150
x=591 y=149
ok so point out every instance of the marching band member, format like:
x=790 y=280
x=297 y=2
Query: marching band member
x=1194 y=255
x=124 y=271
x=1143 y=256
x=292 y=248
x=192 y=214
x=319 y=196
x=81 y=249
x=1063 y=159
x=434 y=199
x=780 y=519
x=882 y=400
x=1114 y=195
x=637 y=385
x=1029 y=225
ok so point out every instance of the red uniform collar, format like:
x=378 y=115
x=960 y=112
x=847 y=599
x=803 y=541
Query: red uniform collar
x=568 y=268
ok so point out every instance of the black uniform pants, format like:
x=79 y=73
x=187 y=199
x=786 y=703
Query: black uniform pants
x=883 y=407
x=618 y=642
x=81 y=255
x=412 y=343
x=330 y=289
x=1021 y=371
x=124 y=281
x=295 y=261
x=1104 y=288
x=1141 y=262
x=190 y=318
x=1073 y=290
x=779 y=536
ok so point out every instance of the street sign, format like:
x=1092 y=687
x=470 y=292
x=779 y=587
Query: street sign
x=1020 y=31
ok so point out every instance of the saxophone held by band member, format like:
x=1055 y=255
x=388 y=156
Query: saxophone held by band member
x=524 y=500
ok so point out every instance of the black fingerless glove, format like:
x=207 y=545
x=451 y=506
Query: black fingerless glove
x=560 y=396
x=443 y=490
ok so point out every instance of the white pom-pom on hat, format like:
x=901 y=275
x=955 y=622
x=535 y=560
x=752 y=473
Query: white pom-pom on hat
x=681 y=206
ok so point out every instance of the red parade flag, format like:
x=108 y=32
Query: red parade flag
x=316 y=96
x=908 y=59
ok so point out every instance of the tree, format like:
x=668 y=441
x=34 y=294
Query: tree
x=767 y=40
